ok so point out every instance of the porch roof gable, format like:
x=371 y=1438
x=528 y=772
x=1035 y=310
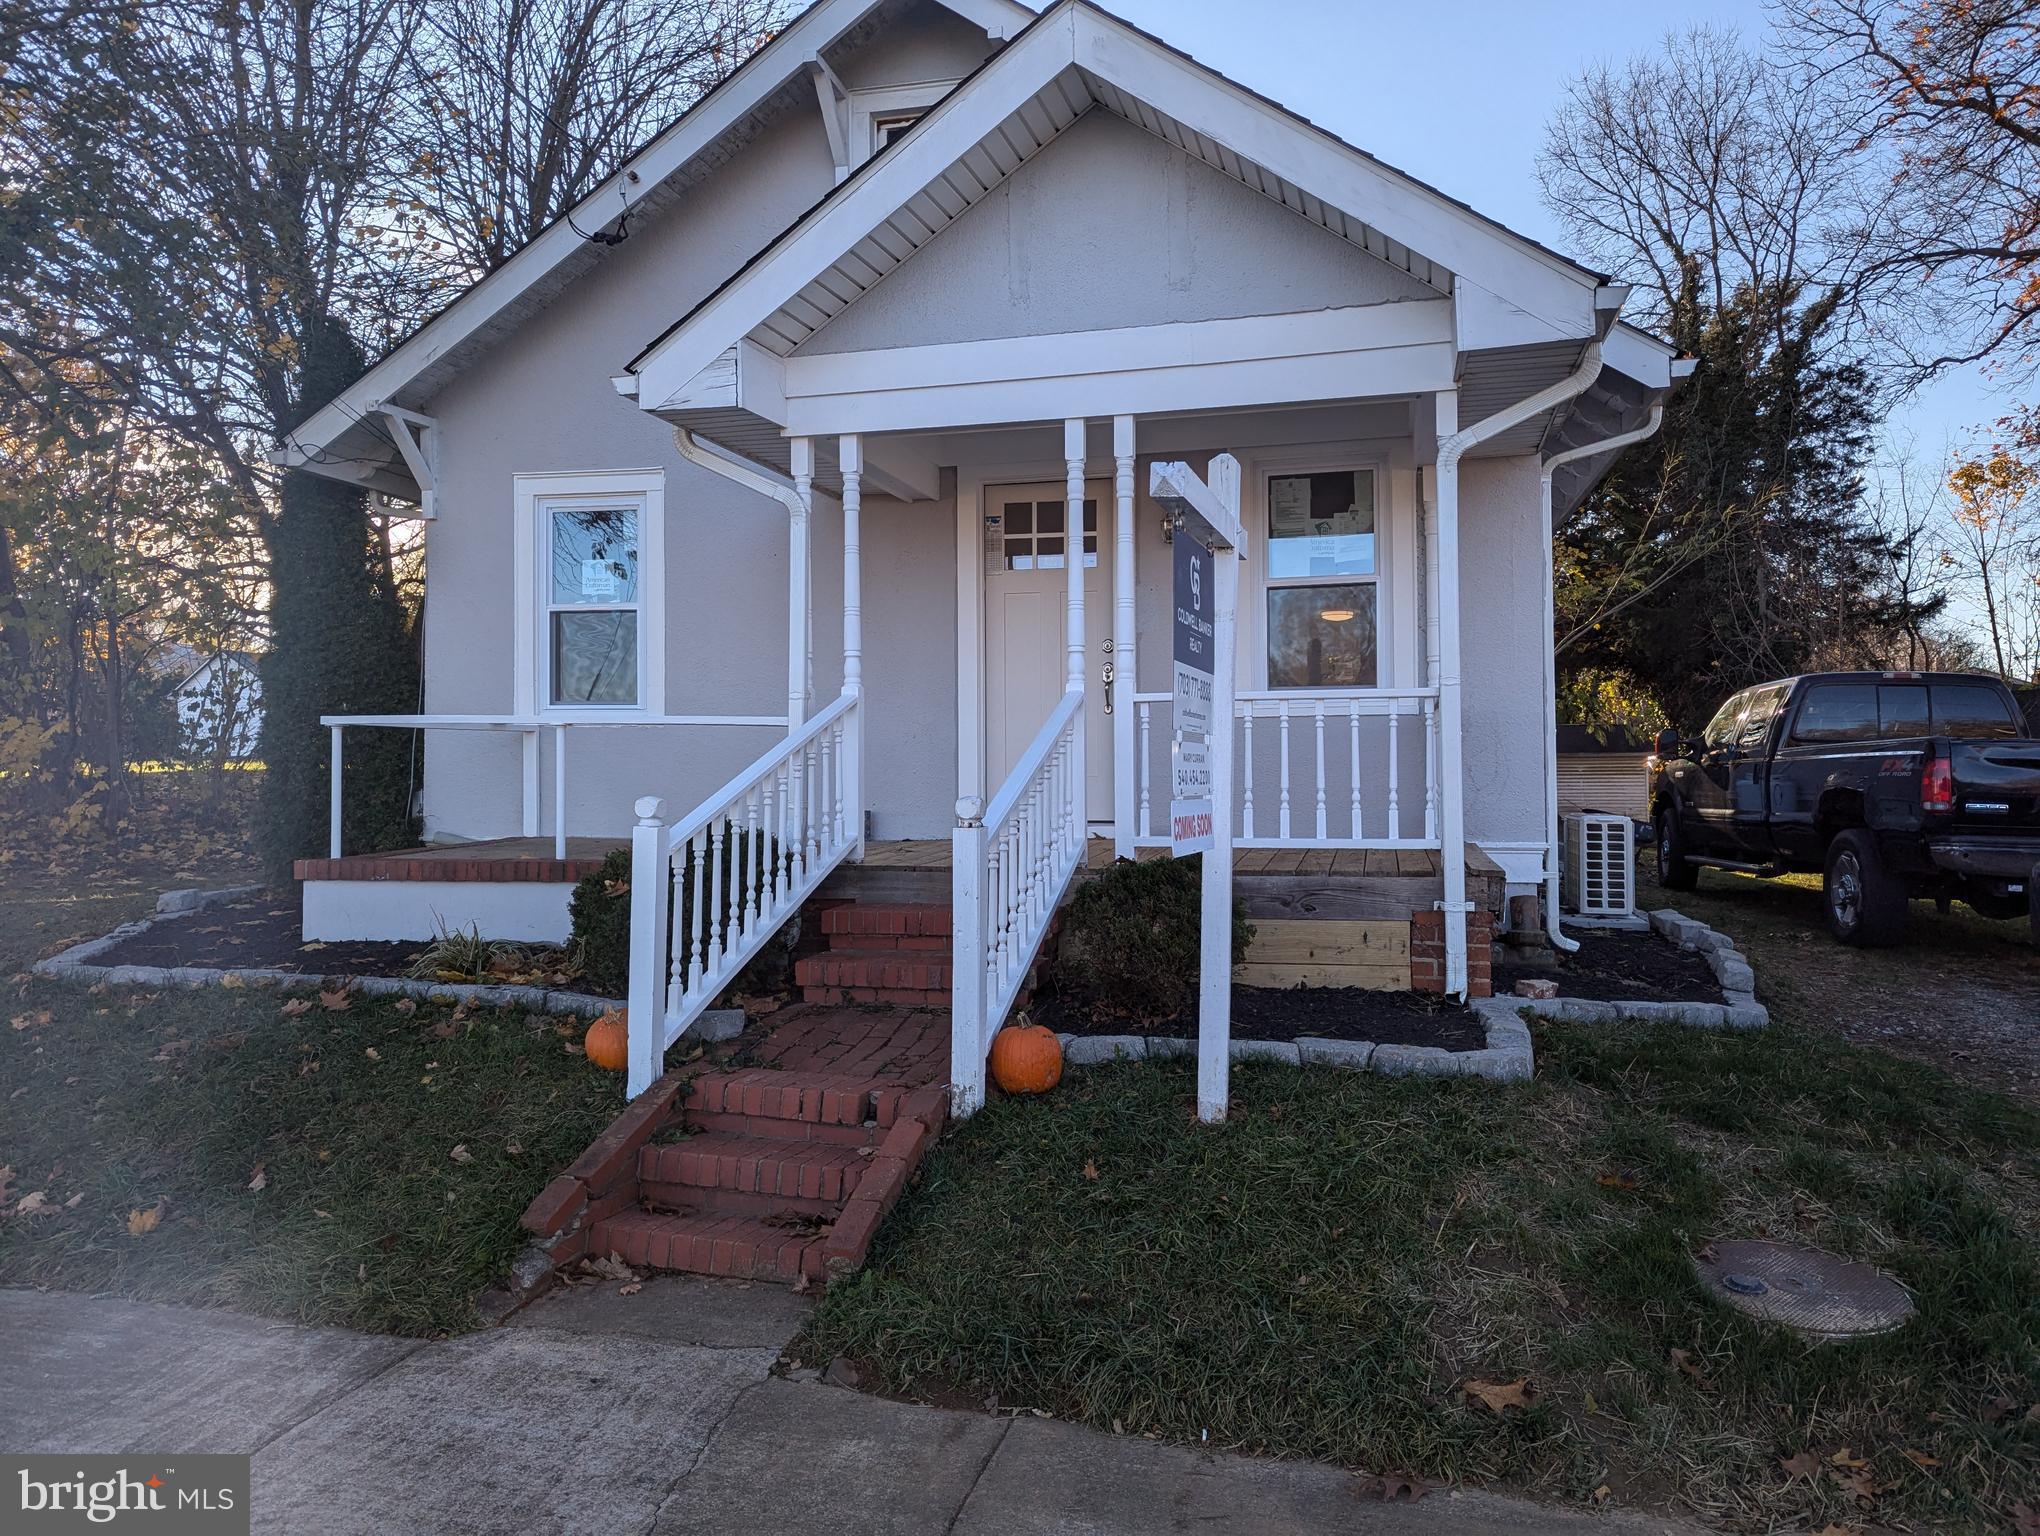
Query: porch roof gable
x=1073 y=59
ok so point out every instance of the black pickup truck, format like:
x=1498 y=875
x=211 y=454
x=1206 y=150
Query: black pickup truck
x=1893 y=785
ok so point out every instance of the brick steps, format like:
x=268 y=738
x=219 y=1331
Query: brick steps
x=896 y=953
x=725 y=1163
x=711 y=1243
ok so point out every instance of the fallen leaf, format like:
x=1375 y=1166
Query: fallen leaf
x=372 y=1054
x=296 y=1008
x=140 y=1223
x=75 y=1201
x=307 y=1068
x=316 y=944
x=1842 y=1458
x=34 y=1204
x=1601 y=1494
x=1389 y=1487
x=1090 y=1169
x=1621 y=1179
x=406 y=1005
x=34 y=1020
x=1920 y=1459
x=630 y=1290
x=612 y=1268
x=443 y=1030
x=1805 y=1466
x=232 y=983
x=1689 y=1365
x=335 y=1001
x=460 y=1154
x=361 y=1271
x=259 y=1179
x=1860 y=1485
x=6 y=1184
x=1502 y=1396
x=1992 y=1411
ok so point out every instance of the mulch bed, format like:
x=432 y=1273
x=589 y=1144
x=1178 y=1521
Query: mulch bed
x=262 y=932
x=1619 y=967
x=1292 y=1013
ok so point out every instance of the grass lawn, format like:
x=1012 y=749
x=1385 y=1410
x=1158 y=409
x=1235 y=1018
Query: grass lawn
x=361 y=1166
x=1321 y=1275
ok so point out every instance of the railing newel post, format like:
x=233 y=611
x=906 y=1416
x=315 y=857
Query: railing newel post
x=650 y=881
x=967 y=974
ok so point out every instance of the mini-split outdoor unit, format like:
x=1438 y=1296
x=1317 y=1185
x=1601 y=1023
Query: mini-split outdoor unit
x=1597 y=875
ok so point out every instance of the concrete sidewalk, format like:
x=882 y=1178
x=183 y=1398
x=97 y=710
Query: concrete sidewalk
x=653 y=1413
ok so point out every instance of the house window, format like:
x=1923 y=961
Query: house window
x=593 y=618
x=589 y=601
x=887 y=126
x=1035 y=535
x=1322 y=596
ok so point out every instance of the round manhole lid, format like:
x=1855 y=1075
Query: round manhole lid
x=1816 y=1293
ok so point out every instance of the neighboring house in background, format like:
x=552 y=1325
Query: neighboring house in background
x=823 y=477
x=1603 y=771
x=220 y=698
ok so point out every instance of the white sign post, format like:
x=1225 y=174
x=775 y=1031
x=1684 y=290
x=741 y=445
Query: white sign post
x=1208 y=576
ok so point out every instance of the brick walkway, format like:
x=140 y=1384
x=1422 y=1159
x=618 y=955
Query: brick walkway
x=911 y=1044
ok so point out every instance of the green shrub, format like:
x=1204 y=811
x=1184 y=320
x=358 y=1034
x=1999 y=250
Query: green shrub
x=600 y=914
x=1131 y=938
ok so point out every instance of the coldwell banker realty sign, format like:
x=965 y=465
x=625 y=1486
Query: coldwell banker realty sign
x=1190 y=767
x=168 y=1496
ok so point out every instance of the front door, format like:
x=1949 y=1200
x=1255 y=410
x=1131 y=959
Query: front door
x=1026 y=553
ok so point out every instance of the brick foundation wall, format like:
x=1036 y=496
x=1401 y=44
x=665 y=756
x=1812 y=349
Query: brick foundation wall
x=1427 y=952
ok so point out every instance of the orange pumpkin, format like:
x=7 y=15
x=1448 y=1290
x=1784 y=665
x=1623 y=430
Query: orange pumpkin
x=608 y=1041
x=1026 y=1058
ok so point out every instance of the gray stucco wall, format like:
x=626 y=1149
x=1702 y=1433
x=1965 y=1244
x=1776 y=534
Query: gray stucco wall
x=1502 y=644
x=542 y=403
x=1110 y=226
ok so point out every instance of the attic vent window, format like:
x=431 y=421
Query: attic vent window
x=887 y=126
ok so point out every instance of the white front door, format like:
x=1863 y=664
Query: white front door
x=1025 y=547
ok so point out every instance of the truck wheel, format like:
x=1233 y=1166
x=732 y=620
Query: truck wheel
x=1674 y=873
x=1866 y=904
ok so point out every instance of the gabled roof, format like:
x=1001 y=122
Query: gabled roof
x=1073 y=59
x=700 y=140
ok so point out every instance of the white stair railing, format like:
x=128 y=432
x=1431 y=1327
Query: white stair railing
x=1342 y=785
x=1013 y=861
x=709 y=890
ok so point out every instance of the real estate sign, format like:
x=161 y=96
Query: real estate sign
x=1190 y=807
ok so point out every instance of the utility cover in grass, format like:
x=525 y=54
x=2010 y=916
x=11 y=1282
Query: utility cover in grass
x=1822 y=1295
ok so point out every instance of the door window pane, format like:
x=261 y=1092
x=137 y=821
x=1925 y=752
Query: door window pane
x=1902 y=710
x=1756 y=724
x=1321 y=525
x=1973 y=710
x=594 y=555
x=1321 y=637
x=594 y=657
x=1722 y=728
x=1837 y=712
x=1033 y=533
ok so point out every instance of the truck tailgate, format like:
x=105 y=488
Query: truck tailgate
x=1997 y=786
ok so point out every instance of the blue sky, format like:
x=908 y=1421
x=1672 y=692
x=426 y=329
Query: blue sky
x=1457 y=92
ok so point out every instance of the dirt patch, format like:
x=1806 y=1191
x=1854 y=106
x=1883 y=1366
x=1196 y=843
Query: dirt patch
x=1619 y=967
x=1293 y=1013
x=262 y=932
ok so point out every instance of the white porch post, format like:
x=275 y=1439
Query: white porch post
x=1125 y=650
x=645 y=1030
x=798 y=598
x=333 y=791
x=1451 y=777
x=967 y=1044
x=530 y=769
x=851 y=448
x=1073 y=547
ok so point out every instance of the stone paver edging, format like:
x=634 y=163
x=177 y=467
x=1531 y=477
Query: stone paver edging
x=1505 y=1058
x=76 y=964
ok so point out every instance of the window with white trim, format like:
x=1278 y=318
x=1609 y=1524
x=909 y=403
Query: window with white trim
x=594 y=629
x=589 y=609
x=1322 y=595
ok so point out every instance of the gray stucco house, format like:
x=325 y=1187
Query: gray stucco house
x=814 y=513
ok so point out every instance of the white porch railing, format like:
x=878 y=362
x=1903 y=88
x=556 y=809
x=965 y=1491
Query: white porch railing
x=529 y=728
x=710 y=889
x=1316 y=768
x=1013 y=861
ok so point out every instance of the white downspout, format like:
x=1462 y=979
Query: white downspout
x=797 y=498
x=1584 y=451
x=1451 y=448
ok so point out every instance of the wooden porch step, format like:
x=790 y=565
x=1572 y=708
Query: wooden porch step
x=711 y=1243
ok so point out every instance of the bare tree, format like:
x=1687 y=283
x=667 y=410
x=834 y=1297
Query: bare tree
x=1945 y=106
x=1703 y=153
x=521 y=107
x=1995 y=518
